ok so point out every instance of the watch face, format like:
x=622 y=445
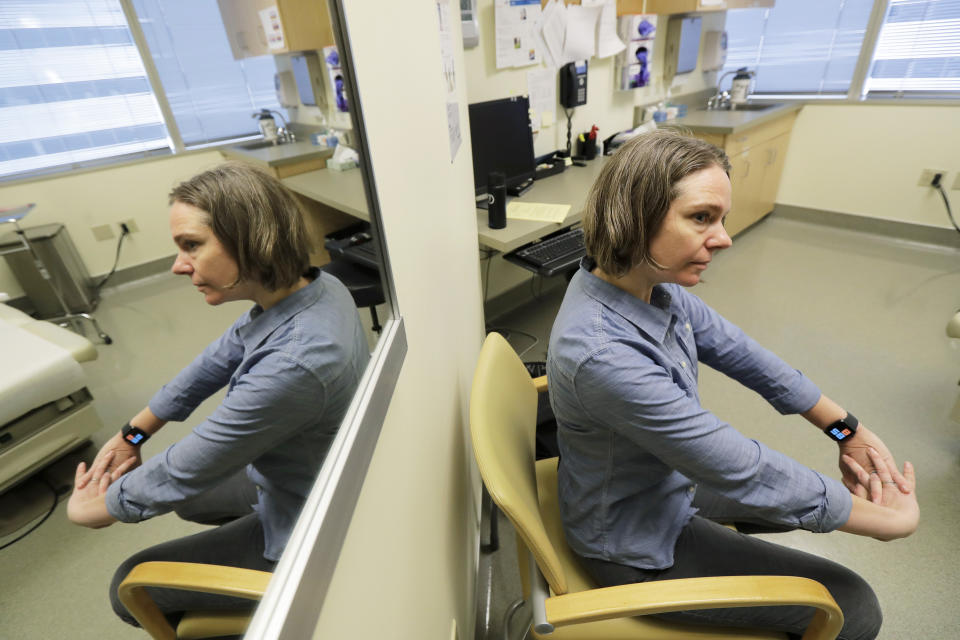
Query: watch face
x=840 y=434
x=134 y=437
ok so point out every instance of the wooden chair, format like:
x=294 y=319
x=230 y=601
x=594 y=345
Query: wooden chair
x=206 y=578
x=566 y=604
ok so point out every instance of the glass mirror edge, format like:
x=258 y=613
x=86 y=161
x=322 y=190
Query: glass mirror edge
x=293 y=601
x=291 y=606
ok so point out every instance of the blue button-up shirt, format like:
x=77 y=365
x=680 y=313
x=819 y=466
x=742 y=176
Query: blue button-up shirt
x=291 y=373
x=634 y=440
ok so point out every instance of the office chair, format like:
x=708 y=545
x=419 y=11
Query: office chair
x=566 y=604
x=362 y=280
x=364 y=286
x=207 y=578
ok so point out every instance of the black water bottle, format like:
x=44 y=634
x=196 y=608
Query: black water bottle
x=496 y=200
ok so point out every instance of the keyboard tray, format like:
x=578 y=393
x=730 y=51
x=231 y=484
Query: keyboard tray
x=555 y=263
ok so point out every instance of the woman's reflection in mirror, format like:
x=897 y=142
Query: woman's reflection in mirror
x=290 y=364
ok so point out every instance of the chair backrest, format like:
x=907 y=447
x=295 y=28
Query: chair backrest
x=503 y=414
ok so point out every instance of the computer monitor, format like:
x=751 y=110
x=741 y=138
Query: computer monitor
x=502 y=141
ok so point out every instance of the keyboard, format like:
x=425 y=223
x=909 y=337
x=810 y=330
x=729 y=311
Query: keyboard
x=554 y=254
x=364 y=254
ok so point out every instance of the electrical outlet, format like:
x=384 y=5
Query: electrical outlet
x=926 y=176
x=131 y=225
x=956 y=182
x=103 y=232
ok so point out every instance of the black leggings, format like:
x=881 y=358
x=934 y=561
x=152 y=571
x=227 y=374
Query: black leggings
x=238 y=543
x=706 y=548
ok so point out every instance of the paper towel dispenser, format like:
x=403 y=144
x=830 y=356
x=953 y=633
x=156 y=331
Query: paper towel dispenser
x=682 y=46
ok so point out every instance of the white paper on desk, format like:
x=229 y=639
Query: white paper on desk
x=580 y=41
x=553 y=28
x=542 y=90
x=517 y=23
x=537 y=211
x=608 y=43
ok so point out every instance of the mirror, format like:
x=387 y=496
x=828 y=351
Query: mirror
x=158 y=325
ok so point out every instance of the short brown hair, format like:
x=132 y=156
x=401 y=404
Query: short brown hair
x=257 y=220
x=628 y=202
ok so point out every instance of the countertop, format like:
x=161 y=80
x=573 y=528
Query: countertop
x=727 y=122
x=342 y=190
x=277 y=155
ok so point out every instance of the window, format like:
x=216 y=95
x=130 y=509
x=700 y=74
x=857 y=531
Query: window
x=799 y=47
x=74 y=88
x=812 y=48
x=918 y=51
x=212 y=96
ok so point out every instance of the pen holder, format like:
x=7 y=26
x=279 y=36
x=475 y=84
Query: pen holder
x=587 y=148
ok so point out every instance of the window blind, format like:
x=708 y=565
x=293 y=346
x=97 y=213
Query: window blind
x=918 y=51
x=212 y=96
x=798 y=46
x=72 y=86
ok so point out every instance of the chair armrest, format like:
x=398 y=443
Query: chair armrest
x=687 y=594
x=206 y=578
x=540 y=384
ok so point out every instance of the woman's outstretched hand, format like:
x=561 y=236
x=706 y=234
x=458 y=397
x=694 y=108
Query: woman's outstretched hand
x=857 y=448
x=902 y=512
x=87 y=505
x=119 y=455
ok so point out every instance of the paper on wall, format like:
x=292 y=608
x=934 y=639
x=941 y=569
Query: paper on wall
x=608 y=44
x=517 y=26
x=542 y=89
x=580 y=41
x=553 y=28
x=449 y=75
x=537 y=211
x=272 y=27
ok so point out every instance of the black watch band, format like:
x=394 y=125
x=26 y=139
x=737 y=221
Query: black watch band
x=843 y=429
x=134 y=435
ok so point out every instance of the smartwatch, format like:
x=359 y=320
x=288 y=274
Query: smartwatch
x=134 y=435
x=843 y=429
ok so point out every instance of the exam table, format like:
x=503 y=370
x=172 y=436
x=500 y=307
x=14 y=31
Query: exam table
x=46 y=409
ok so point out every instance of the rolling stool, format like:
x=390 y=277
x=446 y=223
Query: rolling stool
x=363 y=284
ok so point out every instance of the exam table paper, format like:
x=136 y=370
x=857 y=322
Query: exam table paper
x=537 y=211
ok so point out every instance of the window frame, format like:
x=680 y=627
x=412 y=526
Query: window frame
x=166 y=112
x=855 y=95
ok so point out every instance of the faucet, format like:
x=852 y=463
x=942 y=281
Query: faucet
x=721 y=99
x=284 y=133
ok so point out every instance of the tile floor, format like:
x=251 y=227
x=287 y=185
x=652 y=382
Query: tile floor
x=863 y=316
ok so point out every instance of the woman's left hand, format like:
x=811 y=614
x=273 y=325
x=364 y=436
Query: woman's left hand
x=87 y=505
x=857 y=448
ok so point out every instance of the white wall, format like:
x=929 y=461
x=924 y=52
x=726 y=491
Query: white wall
x=407 y=567
x=607 y=107
x=81 y=200
x=866 y=160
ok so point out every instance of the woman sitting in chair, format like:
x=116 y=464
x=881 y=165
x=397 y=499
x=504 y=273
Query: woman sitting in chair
x=291 y=365
x=645 y=471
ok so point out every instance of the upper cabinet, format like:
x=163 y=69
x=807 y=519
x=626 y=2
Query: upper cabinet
x=267 y=27
x=686 y=6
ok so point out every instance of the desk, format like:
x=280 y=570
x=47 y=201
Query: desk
x=570 y=187
x=341 y=190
